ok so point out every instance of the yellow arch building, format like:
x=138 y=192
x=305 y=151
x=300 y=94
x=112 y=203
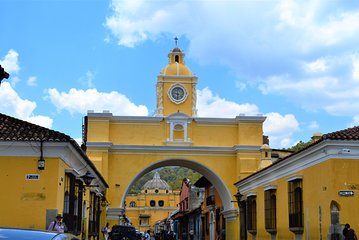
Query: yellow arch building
x=224 y=150
x=156 y=201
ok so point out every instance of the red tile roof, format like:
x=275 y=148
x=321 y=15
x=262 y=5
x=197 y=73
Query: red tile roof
x=346 y=134
x=13 y=129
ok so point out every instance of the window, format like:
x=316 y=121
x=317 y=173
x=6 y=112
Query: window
x=334 y=213
x=178 y=127
x=270 y=209
x=161 y=203
x=152 y=203
x=252 y=214
x=94 y=215
x=295 y=206
x=133 y=204
x=73 y=203
x=144 y=221
x=156 y=191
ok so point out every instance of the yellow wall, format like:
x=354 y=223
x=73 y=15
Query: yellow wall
x=321 y=184
x=156 y=133
x=156 y=213
x=24 y=202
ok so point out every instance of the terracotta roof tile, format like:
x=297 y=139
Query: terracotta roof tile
x=13 y=129
x=346 y=134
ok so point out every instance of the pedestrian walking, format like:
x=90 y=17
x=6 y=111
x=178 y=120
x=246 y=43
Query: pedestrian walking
x=147 y=235
x=106 y=231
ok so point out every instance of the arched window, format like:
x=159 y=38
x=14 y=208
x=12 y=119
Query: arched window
x=334 y=213
x=161 y=203
x=178 y=127
x=152 y=203
x=133 y=204
x=176 y=58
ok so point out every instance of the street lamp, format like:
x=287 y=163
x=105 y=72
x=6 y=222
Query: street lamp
x=3 y=74
x=238 y=197
x=87 y=178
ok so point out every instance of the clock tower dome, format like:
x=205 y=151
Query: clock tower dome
x=176 y=87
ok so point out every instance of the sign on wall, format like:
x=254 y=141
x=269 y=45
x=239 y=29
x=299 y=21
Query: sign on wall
x=346 y=193
x=32 y=177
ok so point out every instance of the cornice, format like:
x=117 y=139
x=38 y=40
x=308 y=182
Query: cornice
x=137 y=119
x=151 y=148
x=259 y=118
x=172 y=148
x=175 y=77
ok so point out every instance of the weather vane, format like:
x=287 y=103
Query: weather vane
x=176 y=40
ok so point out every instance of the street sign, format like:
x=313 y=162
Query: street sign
x=346 y=193
x=32 y=177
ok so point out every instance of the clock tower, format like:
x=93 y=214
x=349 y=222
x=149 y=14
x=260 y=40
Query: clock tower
x=176 y=87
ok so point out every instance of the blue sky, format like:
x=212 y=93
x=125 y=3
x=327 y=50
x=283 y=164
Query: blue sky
x=296 y=62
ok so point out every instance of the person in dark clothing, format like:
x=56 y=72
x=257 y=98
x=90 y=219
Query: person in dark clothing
x=349 y=233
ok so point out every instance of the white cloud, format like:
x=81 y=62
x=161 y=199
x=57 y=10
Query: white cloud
x=319 y=65
x=280 y=129
x=210 y=105
x=313 y=125
x=355 y=120
x=14 y=80
x=87 y=80
x=302 y=49
x=32 y=81
x=80 y=101
x=10 y=62
x=355 y=71
x=41 y=120
x=241 y=85
x=12 y=104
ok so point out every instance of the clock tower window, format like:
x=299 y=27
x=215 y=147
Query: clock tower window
x=176 y=58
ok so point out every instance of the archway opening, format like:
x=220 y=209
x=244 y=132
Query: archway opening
x=214 y=217
x=209 y=174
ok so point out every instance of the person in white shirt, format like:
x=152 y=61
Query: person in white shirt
x=106 y=231
x=147 y=235
x=57 y=225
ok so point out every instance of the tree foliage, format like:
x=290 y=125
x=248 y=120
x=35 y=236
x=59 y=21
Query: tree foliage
x=172 y=175
x=299 y=146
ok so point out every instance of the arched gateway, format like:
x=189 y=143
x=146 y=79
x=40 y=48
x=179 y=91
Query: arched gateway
x=224 y=150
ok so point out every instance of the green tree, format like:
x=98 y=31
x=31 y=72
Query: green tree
x=299 y=146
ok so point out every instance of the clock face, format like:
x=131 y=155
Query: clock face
x=177 y=93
